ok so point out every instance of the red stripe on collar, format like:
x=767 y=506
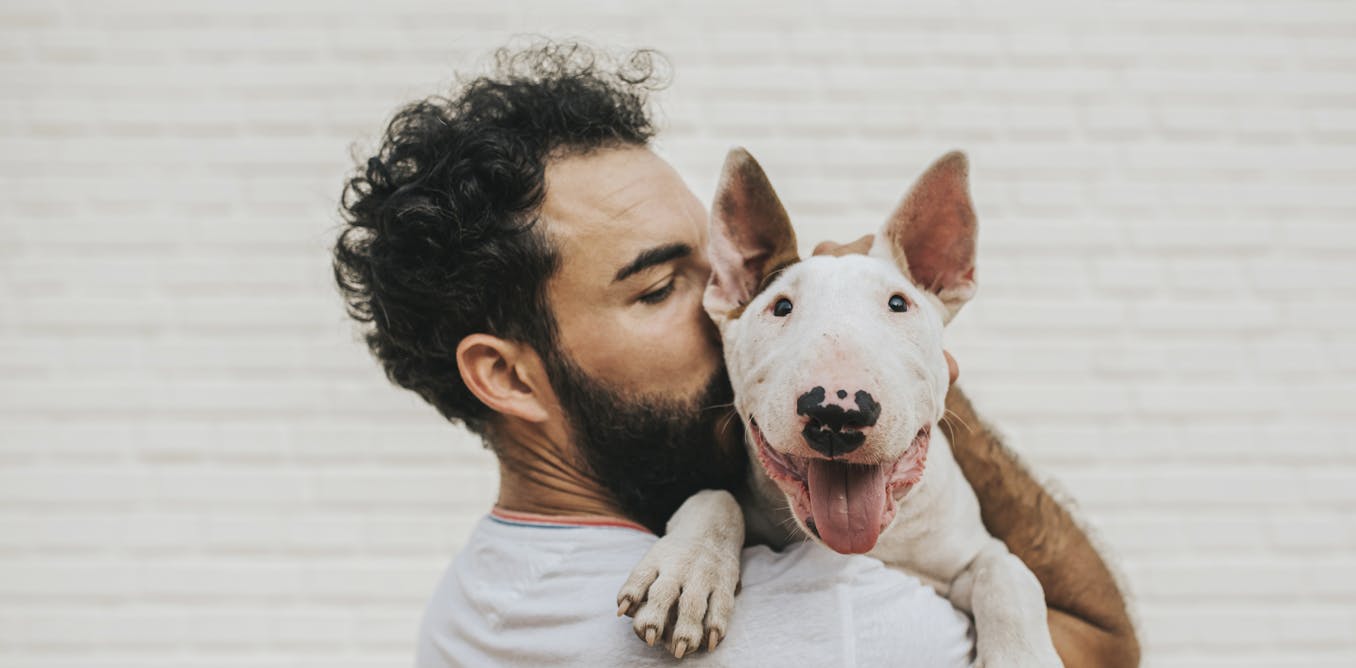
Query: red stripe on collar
x=517 y=518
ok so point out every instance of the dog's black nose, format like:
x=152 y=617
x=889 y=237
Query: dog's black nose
x=832 y=429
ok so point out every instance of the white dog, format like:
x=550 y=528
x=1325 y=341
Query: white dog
x=840 y=380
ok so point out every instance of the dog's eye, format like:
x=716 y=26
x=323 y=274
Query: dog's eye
x=898 y=305
x=782 y=308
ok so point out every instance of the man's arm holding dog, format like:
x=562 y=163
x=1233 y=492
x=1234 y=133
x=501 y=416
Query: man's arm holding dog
x=1089 y=622
x=1088 y=618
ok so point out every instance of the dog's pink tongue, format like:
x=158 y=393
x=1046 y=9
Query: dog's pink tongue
x=847 y=501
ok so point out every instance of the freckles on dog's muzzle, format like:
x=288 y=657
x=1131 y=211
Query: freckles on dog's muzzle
x=831 y=429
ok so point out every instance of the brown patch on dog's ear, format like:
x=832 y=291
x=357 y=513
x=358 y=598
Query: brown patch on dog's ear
x=933 y=231
x=751 y=237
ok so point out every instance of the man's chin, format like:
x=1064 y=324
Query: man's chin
x=652 y=453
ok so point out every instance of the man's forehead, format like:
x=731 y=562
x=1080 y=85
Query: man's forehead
x=619 y=201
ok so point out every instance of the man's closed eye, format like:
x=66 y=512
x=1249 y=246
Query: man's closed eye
x=658 y=295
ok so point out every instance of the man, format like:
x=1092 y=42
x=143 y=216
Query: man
x=532 y=270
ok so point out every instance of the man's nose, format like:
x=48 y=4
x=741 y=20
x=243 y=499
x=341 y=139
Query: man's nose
x=833 y=429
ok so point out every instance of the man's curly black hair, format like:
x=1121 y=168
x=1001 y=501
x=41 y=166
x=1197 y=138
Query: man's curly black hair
x=440 y=237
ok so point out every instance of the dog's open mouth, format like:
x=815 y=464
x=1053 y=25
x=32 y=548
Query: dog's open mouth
x=845 y=504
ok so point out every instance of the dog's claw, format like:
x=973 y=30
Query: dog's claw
x=712 y=640
x=681 y=594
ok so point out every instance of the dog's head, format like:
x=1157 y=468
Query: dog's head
x=837 y=362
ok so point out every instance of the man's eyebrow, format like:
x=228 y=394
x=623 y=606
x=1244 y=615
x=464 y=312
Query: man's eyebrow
x=651 y=257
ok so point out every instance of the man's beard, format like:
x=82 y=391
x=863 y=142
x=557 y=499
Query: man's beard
x=651 y=452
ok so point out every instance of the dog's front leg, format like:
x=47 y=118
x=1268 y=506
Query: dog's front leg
x=1008 y=604
x=683 y=591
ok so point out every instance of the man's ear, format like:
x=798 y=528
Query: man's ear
x=751 y=236
x=931 y=234
x=507 y=377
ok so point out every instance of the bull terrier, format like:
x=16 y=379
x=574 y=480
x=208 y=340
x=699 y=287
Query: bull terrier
x=840 y=381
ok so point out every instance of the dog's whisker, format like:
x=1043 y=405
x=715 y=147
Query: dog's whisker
x=726 y=421
x=789 y=522
x=948 y=413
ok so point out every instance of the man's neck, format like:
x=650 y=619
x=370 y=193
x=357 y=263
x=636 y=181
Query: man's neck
x=538 y=475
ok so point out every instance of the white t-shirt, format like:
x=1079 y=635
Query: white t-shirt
x=535 y=591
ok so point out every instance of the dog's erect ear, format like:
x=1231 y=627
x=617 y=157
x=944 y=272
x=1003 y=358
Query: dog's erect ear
x=751 y=236
x=931 y=235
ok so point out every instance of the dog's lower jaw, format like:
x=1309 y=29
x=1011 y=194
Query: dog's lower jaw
x=792 y=476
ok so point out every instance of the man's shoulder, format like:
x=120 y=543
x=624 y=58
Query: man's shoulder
x=518 y=594
x=521 y=595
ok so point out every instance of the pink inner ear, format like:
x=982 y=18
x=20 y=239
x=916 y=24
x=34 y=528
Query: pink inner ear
x=934 y=227
x=750 y=233
x=727 y=286
x=940 y=253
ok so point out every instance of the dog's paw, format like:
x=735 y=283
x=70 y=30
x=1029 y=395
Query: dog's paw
x=682 y=593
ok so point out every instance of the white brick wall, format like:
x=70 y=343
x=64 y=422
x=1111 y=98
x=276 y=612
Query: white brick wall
x=199 y=466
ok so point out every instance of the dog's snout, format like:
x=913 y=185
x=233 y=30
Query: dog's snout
x=833 y=430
